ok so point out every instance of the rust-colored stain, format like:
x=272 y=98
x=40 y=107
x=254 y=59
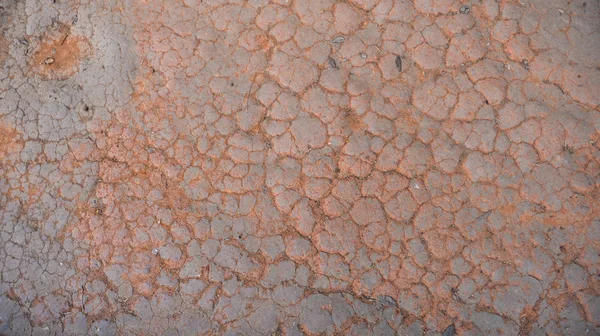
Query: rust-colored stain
x=353 y=120
x=59 y=54
x=9 y=141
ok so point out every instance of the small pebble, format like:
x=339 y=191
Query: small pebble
x=24 y=41
x=155 y=251
x=525 y=64
x=49 y=61
x=363 y=55
x=465 y=10
x=399 y=63
x=332 y=63
x=338 y=39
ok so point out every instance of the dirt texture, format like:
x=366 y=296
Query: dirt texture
x=288 y=167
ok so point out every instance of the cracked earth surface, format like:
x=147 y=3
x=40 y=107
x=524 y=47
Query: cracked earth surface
x=384 y=167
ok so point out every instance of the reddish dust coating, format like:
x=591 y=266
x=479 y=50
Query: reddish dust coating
x=325 y=167
x=59 y=54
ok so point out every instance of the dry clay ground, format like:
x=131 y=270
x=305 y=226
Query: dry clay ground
x=299 y=167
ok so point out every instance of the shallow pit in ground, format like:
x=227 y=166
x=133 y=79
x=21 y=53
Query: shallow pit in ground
x=59 y=54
